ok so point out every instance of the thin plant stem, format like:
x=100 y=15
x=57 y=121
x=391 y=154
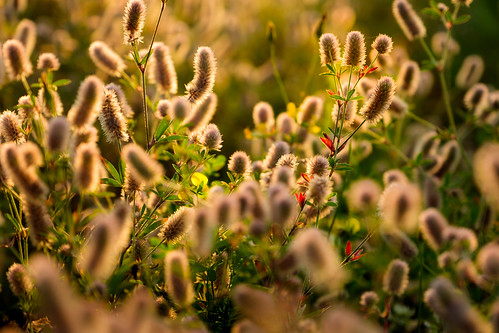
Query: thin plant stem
x=420 y=300
x=423 y=122
x=276 y=73
x=144 y=102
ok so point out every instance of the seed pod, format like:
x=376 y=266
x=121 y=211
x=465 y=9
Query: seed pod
x=111 y=118
x=318 y=166
x=16 y=60
x=410 y=23
x=163 y=109
x=131 y=186
x=396 y=277
x=289 y=160
x=355 y=50
x=283 y=175
x=226 y=210
x=210 y=137
x=283 y=208
x=54 y=107
x=10 y=127
x=285 y=123
x=379 y=101
x=439 y=42
x=477 y=97
x=106 y=59
x=310 y=110
x=400 y=243
x=205 y=68
x=202 y=233
x=26 y=34
x=133 y=21
x=88 y=102
x=48 y=62
x=162 y=71
x=488 y=260
x=85 y=134
x=319 y=189
x=19 y=280
x=201 y=114
x=124 y=106
x=461 y=238
x=464 y=2
x=143 y=167
x=363 y=195
x=448 y=161
x=394 y=176
x=433 y=225
x=239 y=163
x=314 y=254
x=58 y=134
x=24 y=177
x=178 y=278
x=329 y=49
x=38 y=219
x=408 y=78
x=180 y=108
x=176 y=226
x=470 y=72
x=369 y=299
x=400 y=205
x=425 y=84
x=26 y=111
x=383 y=44
x=87 y=167
x=263 y=116
x=275 y=152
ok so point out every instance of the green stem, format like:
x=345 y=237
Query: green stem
x=423 y=122
x=144 y=102
x=277 y=75
x=420 y=301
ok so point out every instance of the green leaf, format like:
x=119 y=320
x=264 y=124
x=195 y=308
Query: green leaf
x=338 y=97
x=331 y=204
x=331 y=68
x=431 y=12
x=110 y=181
x=36 y=85
x=427 y=65
x=462 y=19
x=343 y=167
x=357 y=98
x=163 y=125
x=111 y=169
x=172 y=138
x=146 y=57
x=350 y=94
x=61 y=82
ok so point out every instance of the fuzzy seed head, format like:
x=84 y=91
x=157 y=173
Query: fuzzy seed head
x=310 y=110
x=10 y=127
x=180 y=108
x=87 y=167
x=289 y=160
x=329 y=49
x=178 y=278
x=205 y=68
x=132 y=186
x=355 y=50
x=486 y=172
x=383 y=44
x=369 y=299
x=398 y=108
x=433 y=224
x=263 y=116
x=400 y=205
x=400 y=243
x=162 y=71
x=26 y=111
x=19 y=280
x=461 y=238
x=275 y=152
x=463 y=2
x=210 y=137
x=133 y=21
x=112 y=120
x=284 y=207
x=58 y=134
x=176 y=225
x=42 y=101
x=410 y=23
x=319 y=189
x=379 y=101
x=203 y=227
x=409 y=77
x=163 y=109
x=88 y=102
x=143 y=167
x=348 y=113
x=48 y=62
x=396 y=277
x=26 y=34
x=286 y=124
x=16 y=60
x=284 y=175
x=200 y=114
x=38 y=219
x=318 y=166
x=471 y=71
x=106 y=59
x=447 y=160
x=363 y=195
x=477 y=97
x=240 y=163
x=438 y=44
x=488 y=260
x=124 y=106
x=85 y=134
x=394 y=176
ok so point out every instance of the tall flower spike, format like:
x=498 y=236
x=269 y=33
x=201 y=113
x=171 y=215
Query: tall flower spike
x=486 y=172
x=178 y=278
x=38 y=219
x=161 y=70
x=111 y=118
x=88 y=102
x=410 y=23
x=180 y=108
x=87 y=167
x=408 y=78
x=239 y=163
x=26 y=34
x=470 y=72
x=379 y=101
x=133 y=21
x=275 y=152
x=433 y=224
x=355 y=50
x=329 y=49
x=201 y=114
x=106 y=59
x=205 y=68
x=48 y=62
x=477 y=97
x=400 y=205
x=10 y=127
x=396 y=277
x=16 y=60
x=19 y=280
x=143 y=167
x=210 y=137
x=124 y=106
x=310 y=110
x=383 y=44
x=263 y=116
x=58 y=134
